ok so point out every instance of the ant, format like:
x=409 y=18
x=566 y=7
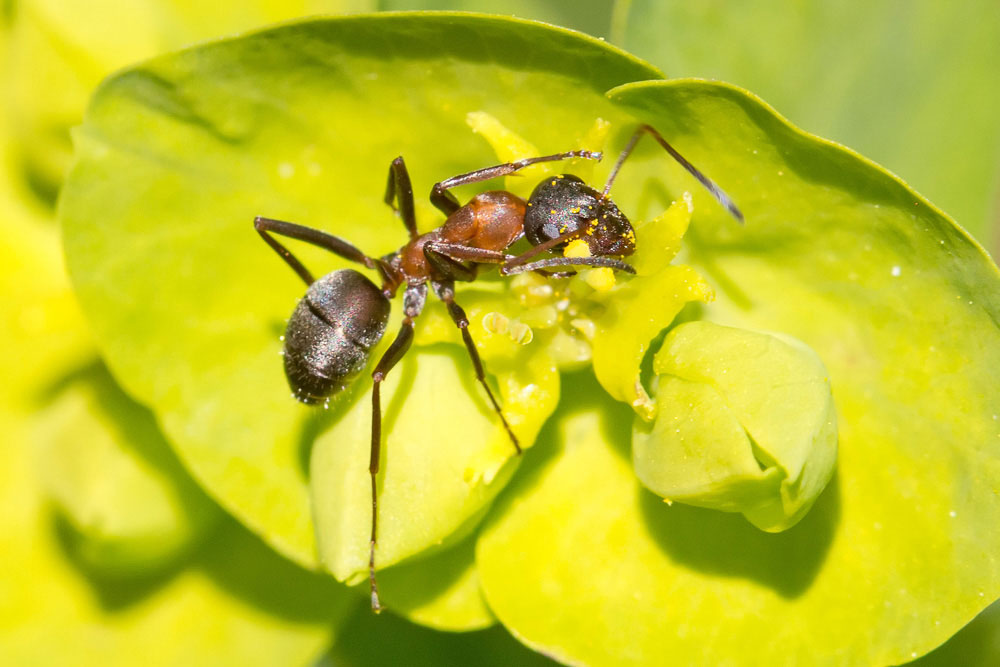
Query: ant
x=333 y=330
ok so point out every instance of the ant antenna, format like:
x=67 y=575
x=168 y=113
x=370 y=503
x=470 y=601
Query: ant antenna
x=716 y=191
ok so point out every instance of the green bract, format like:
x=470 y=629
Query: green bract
x=103 y=461
x=746 y=424
x=641 y=308
x=299 y=123
x=59 y=50
x=177 y=156
x=900 y=551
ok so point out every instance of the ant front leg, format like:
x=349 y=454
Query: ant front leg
x=338 y=246
x=400 y=191
x=445 y=290
x=413 y=302
x=447 y=259
x=448 y=204
x=520 y=264
x=542 y=264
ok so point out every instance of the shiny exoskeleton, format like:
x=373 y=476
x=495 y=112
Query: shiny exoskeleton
x=343 y=315
x=565 y=204
x=331 y=333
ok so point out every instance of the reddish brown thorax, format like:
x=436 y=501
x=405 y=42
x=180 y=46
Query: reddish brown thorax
x=491 y=220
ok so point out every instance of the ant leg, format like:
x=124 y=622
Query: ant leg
x=554 y=274
x=413 y=302
x=446 y=202
x=538 y=249
x=447 y=258
x=445 y=289
x=400 y=190
x=608 y=262
x=715 y=190
x=316 y=237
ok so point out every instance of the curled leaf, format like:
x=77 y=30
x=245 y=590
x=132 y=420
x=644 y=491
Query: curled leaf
x=746 y=423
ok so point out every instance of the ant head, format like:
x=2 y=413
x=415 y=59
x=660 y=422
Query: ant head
x=610 y=233
x=565 y=203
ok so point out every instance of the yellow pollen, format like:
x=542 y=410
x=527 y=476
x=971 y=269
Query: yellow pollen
x=577 y=248
x=601 y=279
x=553 y=211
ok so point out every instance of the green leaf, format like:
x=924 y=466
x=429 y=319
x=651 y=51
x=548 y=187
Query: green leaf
x=636 y=315
x=102 y=459
x=177 y=156
x=440 y=590
x=445 y=458
x=902 y=308
x=978 y=643
x=590 y=16
x=61 y=49
x=368 y=640
x=231 y=599
x=911 y=85
x=746 y=424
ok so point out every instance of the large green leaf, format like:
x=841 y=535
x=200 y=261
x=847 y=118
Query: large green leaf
x=910 y=84
x=901 y=550
x=60 y=49
x=178 y=155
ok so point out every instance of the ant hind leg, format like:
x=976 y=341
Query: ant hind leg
x=413 y=302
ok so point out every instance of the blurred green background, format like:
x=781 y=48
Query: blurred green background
x=911 y=85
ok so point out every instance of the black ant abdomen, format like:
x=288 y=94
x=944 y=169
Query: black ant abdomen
x=331 y=333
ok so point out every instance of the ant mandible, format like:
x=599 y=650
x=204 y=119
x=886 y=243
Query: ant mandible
x=343 y=315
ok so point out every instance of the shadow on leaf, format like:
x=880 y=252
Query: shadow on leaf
x=726 y=544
